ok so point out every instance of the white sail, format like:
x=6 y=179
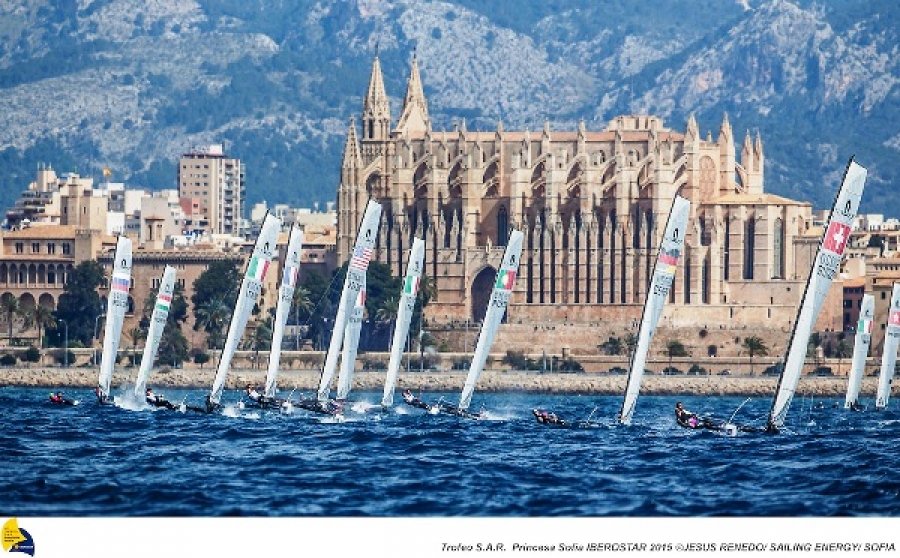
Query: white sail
x=154 y=333
x=404 y=316
x=889 y=353
x=860 y=350
x=827 y=263
x=353 y=283
x=116 y=305
x=663 y=275
x=285 y=298
x=503 y=286
x=257 y=269
x=351 y=343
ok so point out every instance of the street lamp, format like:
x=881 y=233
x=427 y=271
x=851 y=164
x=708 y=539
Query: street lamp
x=421 y=350
x=65 y=343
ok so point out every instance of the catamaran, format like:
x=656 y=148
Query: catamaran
x=116 y=305
x=404 y=317
x=257 y=269
x=889 y=355
x=154 y=333
x=503 y=286
x=827 y=262
x=351 y=344
x=285 y=299
x=354 y=282
x=663 y=275
x=860 y=351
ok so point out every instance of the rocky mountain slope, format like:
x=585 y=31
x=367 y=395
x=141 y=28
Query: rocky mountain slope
x=130 y=84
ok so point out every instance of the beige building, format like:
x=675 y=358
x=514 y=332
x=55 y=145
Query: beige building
x=592 y=204
x=217 y=181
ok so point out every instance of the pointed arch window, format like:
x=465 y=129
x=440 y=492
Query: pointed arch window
x=502 y=226
x=749 y=246
x=778 y=250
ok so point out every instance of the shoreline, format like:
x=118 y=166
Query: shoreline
x=491 y=381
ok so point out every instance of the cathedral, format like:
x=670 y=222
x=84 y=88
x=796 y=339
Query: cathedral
x=592 y=205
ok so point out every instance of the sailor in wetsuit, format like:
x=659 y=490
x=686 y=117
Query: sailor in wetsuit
x=253 y=394
x=688 y=419
x=412 y=400
x=59 y=399
x=158 y=400
x=102 y=399
x=544 y=417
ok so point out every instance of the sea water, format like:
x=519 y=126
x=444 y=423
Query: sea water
x=90 y=460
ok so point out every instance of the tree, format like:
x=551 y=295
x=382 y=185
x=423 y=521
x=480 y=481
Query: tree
x=612 y=346
x=754 y=346
x=40 y=317
x=302 y=303
x=9 y=305
x=218 y=284
x=631 y=342
x=261 y=340
x=386 y=315
x=79 y=305
x=177 y=308
x=842 y=351
x=137 y=335
x=675 y=348
x=173 y=347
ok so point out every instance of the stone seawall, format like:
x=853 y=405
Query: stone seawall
x=491 y=381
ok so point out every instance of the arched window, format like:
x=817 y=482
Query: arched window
x=778 y=250
x=749 y=245
x=502 y=226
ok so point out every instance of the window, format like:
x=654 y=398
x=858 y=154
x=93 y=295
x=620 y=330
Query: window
x=51 y=248
x=51 y=277
x=35 y=247
x=20 y=249
x=67 y=249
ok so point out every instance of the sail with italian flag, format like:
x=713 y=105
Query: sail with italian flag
x=506 y=278
x=404 y=316
x=158 y=322
x=861 y=344
x=258 y=268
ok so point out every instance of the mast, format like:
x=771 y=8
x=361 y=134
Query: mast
x=116 y=305
x=285 y=298
x=861 y=344
x=404 y=316
x=353 y=283
x=889 y=355
x=255 y=274
x=157 y=326
x=663 y=275
x=351 y=344
x=821 y=275
x=503 y=286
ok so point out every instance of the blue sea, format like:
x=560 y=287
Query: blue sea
x=88 y=460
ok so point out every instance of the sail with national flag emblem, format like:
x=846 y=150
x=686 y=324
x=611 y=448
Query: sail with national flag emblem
x=351 y=344
x=353 y=283
x=283 y=308
x=404 y=316
x=825 y=267
x=157 y=326
x=496 y=308
x=116 y=306
x=861 y=343
x=889 y=354
x=661 y=281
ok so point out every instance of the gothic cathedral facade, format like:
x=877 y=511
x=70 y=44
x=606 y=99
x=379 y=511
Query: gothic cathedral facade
x=592 y=204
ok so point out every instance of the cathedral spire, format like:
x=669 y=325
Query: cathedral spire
x=725 y=134
x=414 y=116
x=693 y=132
x=351 y=158
x=376 y=116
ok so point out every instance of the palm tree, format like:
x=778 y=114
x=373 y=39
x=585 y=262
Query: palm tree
x=675 y=348
x=211 y=318
x=9 y=305
x=137 y=335
x=842 y=351
x=261 y=340
x=387 y=314
x=40 y=317
x=754 y=346
x=302 y=303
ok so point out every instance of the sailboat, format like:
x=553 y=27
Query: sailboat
x=825 y=267
x=351 y=344
x=404 y=317
x=116 y=305
x=285 y=299
x=154 y=333
x=889 y=354
x=860 y=351
x=503 y=286
x=257 y=269
x=662 y=278
x=354 y=282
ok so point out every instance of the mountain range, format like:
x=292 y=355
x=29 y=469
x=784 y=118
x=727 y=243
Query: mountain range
x=132 y=84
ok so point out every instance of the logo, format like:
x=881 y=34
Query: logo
x=848 y=207
x=15 y=539
x=836 y=237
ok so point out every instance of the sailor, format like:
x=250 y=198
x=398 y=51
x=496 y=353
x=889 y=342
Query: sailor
x=684 y=417
x=158 y=400
x=253 y=394
x=210 y=406
x=412 y=400
x=57 y=398
x=101 y=398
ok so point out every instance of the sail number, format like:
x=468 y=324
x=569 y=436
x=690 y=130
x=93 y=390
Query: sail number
x=828 y=265
x=500 y=298
x=253 y=289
